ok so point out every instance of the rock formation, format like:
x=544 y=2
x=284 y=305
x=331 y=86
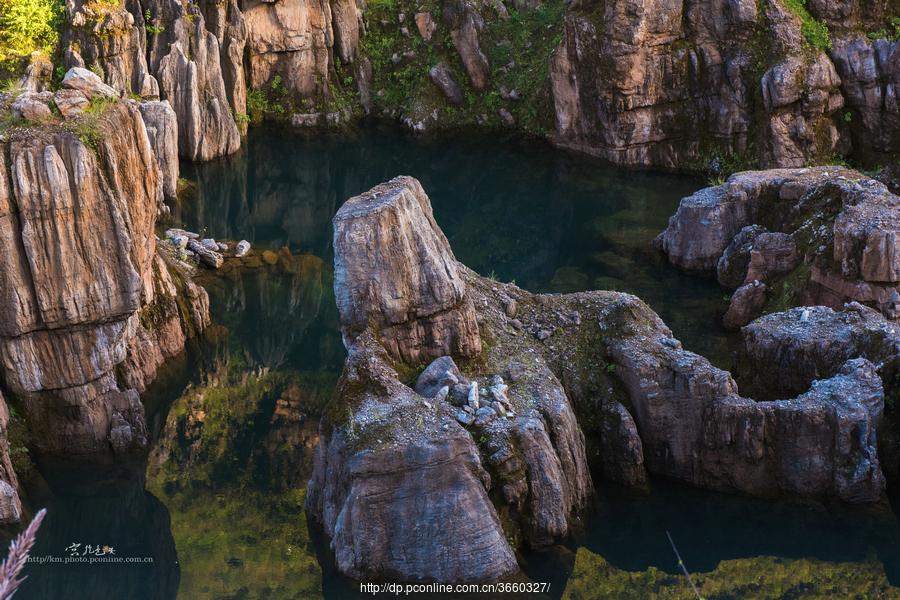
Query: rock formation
x=162 y=131
x=670 y=84
x=91 y=309
x=703 y=85
x=493 y=435
x=804 y=344
x=110 y=38
x=190 y=77
x=825 y=236
x=401 y=279
x=382 y=435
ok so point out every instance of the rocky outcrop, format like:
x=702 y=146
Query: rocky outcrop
x=800 y=94
x=672 y=84
x=162 y=131
x=814 y=236
x=696 y=428
x=870 y=80
x=173 y=57
x=394 y=272
x=391 y=449
x=802 y=345
x=525 y=467
x=83 y=274
x=296 y=41
x=190 y=78
x=110 y=38
x=496 y=433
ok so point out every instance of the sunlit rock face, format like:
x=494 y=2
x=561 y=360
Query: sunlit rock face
x=668 y=83
x=86 y=290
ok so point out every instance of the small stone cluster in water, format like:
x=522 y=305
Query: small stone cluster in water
x=207 y=251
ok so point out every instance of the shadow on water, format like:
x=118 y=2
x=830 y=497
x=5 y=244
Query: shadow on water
x=235 y=425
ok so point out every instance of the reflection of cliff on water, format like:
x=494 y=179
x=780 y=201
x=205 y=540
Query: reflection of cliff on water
x=118 y=514
x=280 y=314
x=234 y=455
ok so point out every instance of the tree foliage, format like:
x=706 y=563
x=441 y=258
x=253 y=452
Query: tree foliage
x=29 y=25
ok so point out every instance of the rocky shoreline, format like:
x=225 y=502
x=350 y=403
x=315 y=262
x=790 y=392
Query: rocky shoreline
x=93 y=305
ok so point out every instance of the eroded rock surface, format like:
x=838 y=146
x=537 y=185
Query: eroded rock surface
x=382 y=434
x=395 y=273
x=84 y=284
x=826 y=235
x=803 y=344
x=645 y=82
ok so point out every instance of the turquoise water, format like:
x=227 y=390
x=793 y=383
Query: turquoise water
x=218 y=507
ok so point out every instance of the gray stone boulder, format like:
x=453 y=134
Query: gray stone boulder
x=71 y=103
x=441 y=373
x=87 y=82
x=443 y=78
x=33 y=107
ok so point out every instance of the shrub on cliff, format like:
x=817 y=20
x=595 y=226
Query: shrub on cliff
x=27 y=26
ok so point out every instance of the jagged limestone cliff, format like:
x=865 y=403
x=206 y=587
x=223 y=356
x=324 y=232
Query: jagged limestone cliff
x=692 y=84
x=91 y=306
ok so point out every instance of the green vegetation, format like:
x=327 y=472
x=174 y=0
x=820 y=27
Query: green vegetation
x=88 y=127
x=762 y=578
x=27 y=26
x=526 y=40
x=891 y=31
x=815 y=32
x=518 y=48
x=151 y=27
x=269 y=102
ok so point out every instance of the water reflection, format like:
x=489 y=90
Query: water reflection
x=128 y=521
